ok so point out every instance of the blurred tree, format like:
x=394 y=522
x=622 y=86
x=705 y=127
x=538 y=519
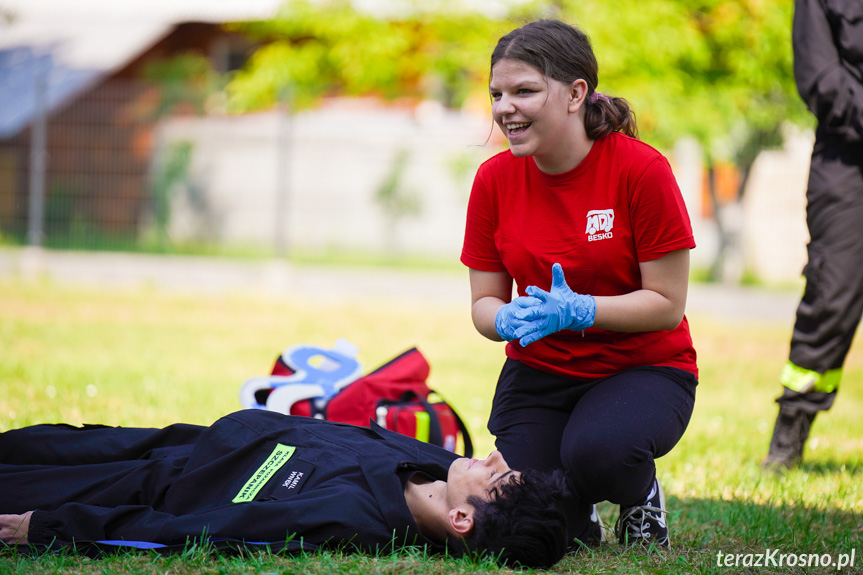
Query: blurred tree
x=749 y=81
x=172 y=172
x=185 y=82
x=314 y=49
x=396 y=199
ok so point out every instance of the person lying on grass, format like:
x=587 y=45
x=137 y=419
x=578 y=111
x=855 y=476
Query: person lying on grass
x=258 y=477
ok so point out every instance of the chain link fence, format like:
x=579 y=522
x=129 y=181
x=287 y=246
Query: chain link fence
x=84 y=174
x=130 y=166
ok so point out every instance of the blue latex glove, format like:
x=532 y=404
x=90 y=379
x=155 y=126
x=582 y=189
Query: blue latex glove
x=560 y=308
x=515 y=315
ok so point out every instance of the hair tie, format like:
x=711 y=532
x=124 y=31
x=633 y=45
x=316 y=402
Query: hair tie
x=598 y=96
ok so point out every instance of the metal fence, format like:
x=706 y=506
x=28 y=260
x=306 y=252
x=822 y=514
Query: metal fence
x=83 y=174
x=125 y=166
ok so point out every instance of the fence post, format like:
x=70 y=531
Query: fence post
x=283 y=172
x=38 y=162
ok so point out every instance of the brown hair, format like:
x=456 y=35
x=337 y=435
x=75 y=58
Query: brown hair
x=563 y=53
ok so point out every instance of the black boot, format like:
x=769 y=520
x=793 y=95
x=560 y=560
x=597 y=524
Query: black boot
x=789 y=436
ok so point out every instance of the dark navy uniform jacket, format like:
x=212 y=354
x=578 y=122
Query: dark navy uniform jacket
x=252 y=477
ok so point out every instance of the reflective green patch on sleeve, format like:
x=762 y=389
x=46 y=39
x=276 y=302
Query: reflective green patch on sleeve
x=280 y=455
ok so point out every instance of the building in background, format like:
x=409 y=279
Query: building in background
x=77 y=116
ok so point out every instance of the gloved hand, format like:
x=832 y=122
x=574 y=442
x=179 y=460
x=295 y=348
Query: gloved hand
x=514 y=315
x=560 y=308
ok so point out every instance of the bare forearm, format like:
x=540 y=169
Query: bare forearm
x=483 y=312
x=658 y=306
x=642 y=310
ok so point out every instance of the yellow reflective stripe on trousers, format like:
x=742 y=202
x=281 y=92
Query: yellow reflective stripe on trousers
x=805 y=380
x=280 y=455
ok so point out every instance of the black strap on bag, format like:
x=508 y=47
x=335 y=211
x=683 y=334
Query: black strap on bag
x=435 y=430
x=465 y=436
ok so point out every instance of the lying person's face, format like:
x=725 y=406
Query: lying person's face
x=478 y=477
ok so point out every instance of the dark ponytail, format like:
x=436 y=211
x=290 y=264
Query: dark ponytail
x=607 y=114
x=563 y=52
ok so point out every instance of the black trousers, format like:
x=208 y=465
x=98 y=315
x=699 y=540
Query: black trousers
x=46 y=466
x=604 y=433
x=832 y=303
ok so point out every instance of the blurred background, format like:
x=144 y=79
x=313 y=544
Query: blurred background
x=349 y=132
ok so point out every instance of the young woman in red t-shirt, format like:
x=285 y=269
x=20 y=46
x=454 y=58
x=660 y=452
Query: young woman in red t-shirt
x=589 y=223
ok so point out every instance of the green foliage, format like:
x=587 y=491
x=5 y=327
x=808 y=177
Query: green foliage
x=716 y=70
x=62 y=207
x=187 y=80
x=391 y=195
x=314 y=49
x=172 y=170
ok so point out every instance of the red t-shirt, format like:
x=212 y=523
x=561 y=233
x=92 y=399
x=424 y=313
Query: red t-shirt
x=618 y=207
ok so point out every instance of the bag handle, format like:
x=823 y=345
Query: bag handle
x=435 y=430
x=465 y=435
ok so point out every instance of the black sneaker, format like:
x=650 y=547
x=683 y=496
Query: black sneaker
x=789 y=437
x=598 y=532
x=595 y=534
x=644 y=524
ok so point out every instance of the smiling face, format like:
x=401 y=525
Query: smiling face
x=467 y=477
x=538 y=115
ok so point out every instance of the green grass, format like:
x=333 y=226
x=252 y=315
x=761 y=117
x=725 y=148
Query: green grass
x=296 y=254
x=146 y=357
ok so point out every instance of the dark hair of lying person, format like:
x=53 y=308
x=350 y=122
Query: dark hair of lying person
x=522 y=524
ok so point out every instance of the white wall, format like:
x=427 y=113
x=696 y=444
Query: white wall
x=337 y=159
x=774 y=211
x=339 y=155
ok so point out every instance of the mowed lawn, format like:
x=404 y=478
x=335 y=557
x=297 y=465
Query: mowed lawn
x=148 y=357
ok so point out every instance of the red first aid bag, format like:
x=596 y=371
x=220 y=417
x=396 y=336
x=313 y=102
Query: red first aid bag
x=395 y=395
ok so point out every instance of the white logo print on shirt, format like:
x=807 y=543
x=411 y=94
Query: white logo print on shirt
x=599 y=221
